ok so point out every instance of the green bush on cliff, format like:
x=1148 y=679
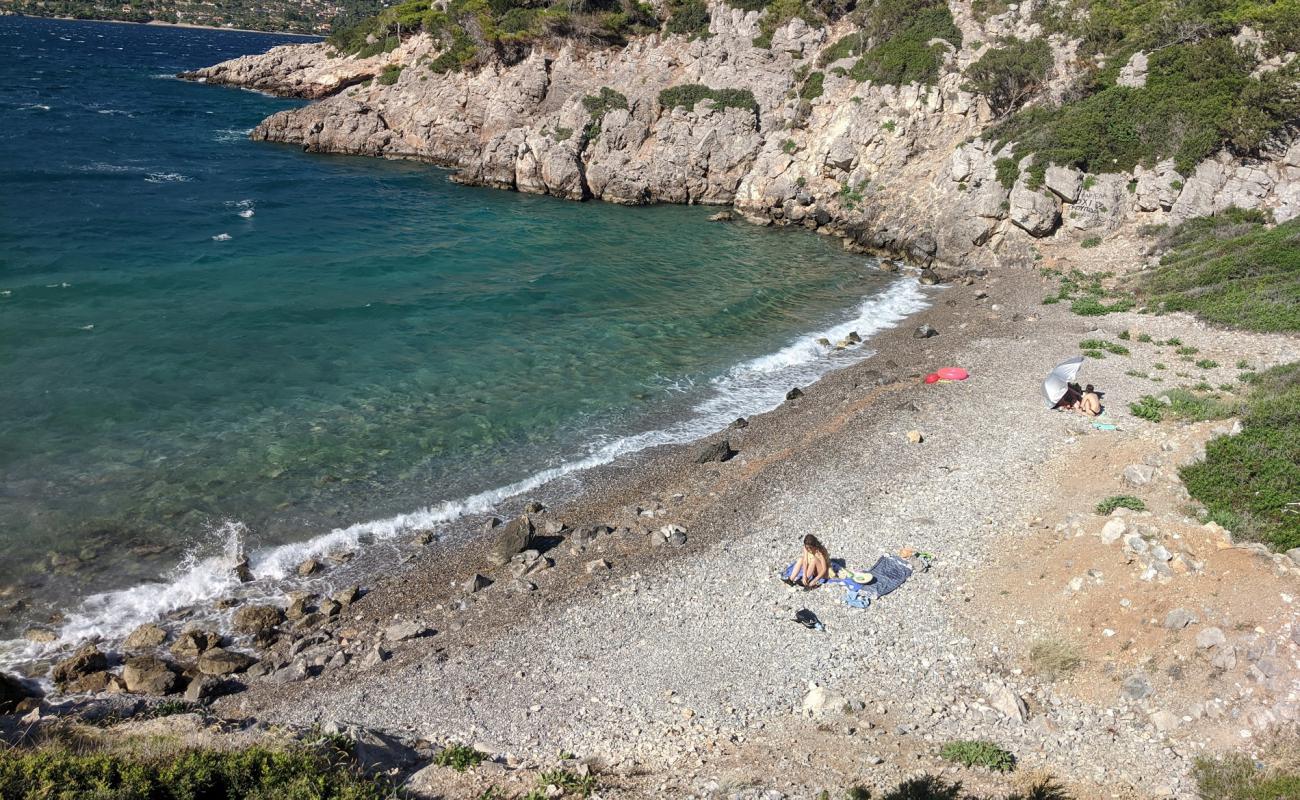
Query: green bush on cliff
x=1009 y=75
x=687 y=95
x=689 y=18
x=599 y=105
x=813 y=87
x=1231 y=269
x=902 y=32
x=185 y=775
x=389 y=75
x=779 y=13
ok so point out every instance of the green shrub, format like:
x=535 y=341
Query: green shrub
x=1008 y=171
x=979 y=753
x=902 y=31
x=1255 y=475
x=689 y=18
x=688 y=95
x=1233 y=270
x=1090 y=242
x=1120 y=501
x=777 y=14
x=1009 y=75
x=1147 y=408
x=1199 y=97
x=855 y=44
x=1092 y=353
x=1124 y=336
x=1100 y=344
x=256 y=772
x=812 y=88
x=599 y=105
x=1236 y=777
x=389 y=75
x=458 y=757
x=1093 y=307
x=1207 y=363
x=1184 y=404
x=568 y=782
x=1145 y=338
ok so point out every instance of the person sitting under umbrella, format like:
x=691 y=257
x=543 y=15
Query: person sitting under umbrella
x=1090 y=402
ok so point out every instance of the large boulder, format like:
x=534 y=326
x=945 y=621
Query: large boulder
x=219 y=661
x=1065 y=181
x=1036 y=213
x=514 y=537
x=189 y=644
x=257 y=619
x=86 y=660
x=148 y=675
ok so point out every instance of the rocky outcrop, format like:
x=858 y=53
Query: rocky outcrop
x=896 y=169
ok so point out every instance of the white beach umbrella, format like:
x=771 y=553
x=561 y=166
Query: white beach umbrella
x=1058 y=380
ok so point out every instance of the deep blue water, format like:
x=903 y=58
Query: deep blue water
x=197 y=329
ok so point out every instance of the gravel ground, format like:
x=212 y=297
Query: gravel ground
x=681 y=669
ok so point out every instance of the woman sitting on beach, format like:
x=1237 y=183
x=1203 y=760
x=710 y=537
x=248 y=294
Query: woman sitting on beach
x=813 y=566
x=1090 y=402
x=1071 y=399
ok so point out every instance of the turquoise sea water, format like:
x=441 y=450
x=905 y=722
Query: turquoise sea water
x=197 y=329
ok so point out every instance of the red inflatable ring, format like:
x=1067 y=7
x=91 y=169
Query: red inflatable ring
x=933 y=377
x=953 y=374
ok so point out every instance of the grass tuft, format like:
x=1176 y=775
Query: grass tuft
x=979 y=753
x=1120 y=501
x=1052 y=658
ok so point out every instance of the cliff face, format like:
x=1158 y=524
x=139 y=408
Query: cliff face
x=895 y=169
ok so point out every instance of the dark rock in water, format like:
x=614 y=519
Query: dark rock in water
x=189 y=644
x=35 y=634
x=220 y=661
x=930 y=278
x=821 y=216
x=924 y=332
x=740 y=422
x=310 y=567
x=257 y=619
x=14 y=691
x=514 y=537
x=854 y=338
x=242 y=570
x=148 y=675
x=722 y=216
x=794 y=394
x=145 y=637
x=534 y=507
x=718 y=451
x=86 y=660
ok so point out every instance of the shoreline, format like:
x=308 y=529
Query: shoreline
x=373 y=545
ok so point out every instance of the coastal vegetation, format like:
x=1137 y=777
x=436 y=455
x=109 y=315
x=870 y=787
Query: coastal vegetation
x=688 y=95
x=1231 y=269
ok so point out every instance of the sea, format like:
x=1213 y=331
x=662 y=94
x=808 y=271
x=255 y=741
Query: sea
x=211 y=346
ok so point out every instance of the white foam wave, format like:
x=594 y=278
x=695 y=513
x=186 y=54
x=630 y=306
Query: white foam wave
x=221 y=237
x=231 y=134
x=752 y=387
x=167 y=177
x=35 y=107
x=246 y=213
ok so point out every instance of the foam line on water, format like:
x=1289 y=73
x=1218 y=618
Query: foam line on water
x=751 y=387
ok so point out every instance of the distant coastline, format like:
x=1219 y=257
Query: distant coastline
x=157 y=23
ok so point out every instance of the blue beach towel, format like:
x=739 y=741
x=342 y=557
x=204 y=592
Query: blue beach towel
x=888 y=573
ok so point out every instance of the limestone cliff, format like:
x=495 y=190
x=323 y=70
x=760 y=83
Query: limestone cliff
x=898 y=169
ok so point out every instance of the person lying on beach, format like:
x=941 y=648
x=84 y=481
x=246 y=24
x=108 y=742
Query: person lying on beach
x=1090 y=402
x=1071 y=399
x=814 y=564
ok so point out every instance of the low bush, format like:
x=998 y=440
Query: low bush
x=389 y=75
x=688 y=95
x=1101 y=344
x=979 y=753
x=1233 y=270
x=1120 y=501
x=1007 y=76
x=813 y=87
x=1236 y=777
x=1253 y=478
x=598 y=105
x=1147 y=408
x=777 y=14
x=1090 y=242
x=255 y=772
x=689 y=18
x=1008 y=171
x=458 y=757
x=904 y=33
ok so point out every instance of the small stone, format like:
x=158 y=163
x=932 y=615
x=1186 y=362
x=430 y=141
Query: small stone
x=310 y=567
x=201 y=687
x=1294 y=555
x=257 y=619
x=1164 y=720
x=741 y=422
x=243 y=572
x=376 y=655
x=514 y=537
x=1139 y=474
x=1178 y=619
x=1136 y=687
x=533 y=507
x=145 y=637
x=189 y=644
x=1113 y=530
x=722 y=216
x=1135 y=543
x=407 y=630
x=924 y=332
x=915 y=437
x=599 y=565
x=715 y=452
x=1002 y=698
x=1225 y=657
x=794 y=394
x=347 y=596
x=477 y=583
